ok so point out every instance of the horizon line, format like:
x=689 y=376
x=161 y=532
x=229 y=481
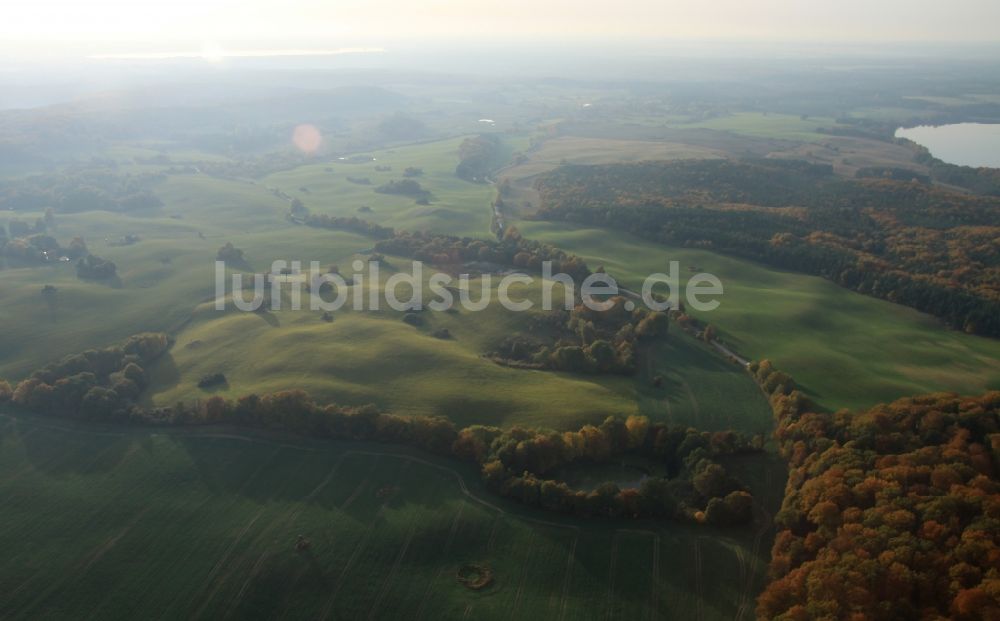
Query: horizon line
x=221 y=54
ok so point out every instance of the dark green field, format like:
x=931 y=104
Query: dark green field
x=114 y=523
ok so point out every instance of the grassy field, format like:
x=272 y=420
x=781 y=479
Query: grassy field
x=163 y=278
x=764 y=125
x=848 y=350
x=560 y=150
x=848 y=155
x=116 y=523
x=457 y=206
x=844 y=348
x=168 y=284
x=700 y=389
x=374 y=357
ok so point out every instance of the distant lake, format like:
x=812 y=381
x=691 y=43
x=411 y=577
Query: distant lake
x=965 y=144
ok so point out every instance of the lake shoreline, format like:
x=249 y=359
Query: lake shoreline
x=963 y=144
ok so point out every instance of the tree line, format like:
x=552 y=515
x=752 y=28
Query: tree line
x=98 y=384
x=890 y=513
x=93 y=267
x=585 y=340
x=517 y=463
x=904 y=241
x=39 y=249
x=352 y=224
x=78 y=190
x=404 y=187
x=582 y=340
x=512 y=249
x=104 y=385
x=42 y=249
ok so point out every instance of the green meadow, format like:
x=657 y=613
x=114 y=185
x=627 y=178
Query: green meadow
x=213 y=535
x=163 y=278
x=168 y=284
x=765 y=125
x=846 y=349
x=373 y=356
x=358 y=357
x=456 y=206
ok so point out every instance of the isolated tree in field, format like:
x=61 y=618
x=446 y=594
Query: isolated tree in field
x=229 y=254
x=93 y=267
x=404 y=187
x=298 y=208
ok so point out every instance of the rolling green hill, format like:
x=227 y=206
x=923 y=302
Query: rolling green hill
x=374 y=357
x=845 y=349
x=456 y=206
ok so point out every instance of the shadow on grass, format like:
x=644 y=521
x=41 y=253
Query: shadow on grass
x=163 y=375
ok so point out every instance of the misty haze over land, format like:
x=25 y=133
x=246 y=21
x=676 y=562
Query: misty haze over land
x=500 y=310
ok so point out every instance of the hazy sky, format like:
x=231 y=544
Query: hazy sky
x=336 y=23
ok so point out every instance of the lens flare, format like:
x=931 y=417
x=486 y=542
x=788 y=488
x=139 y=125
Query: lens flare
x=307 y=138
